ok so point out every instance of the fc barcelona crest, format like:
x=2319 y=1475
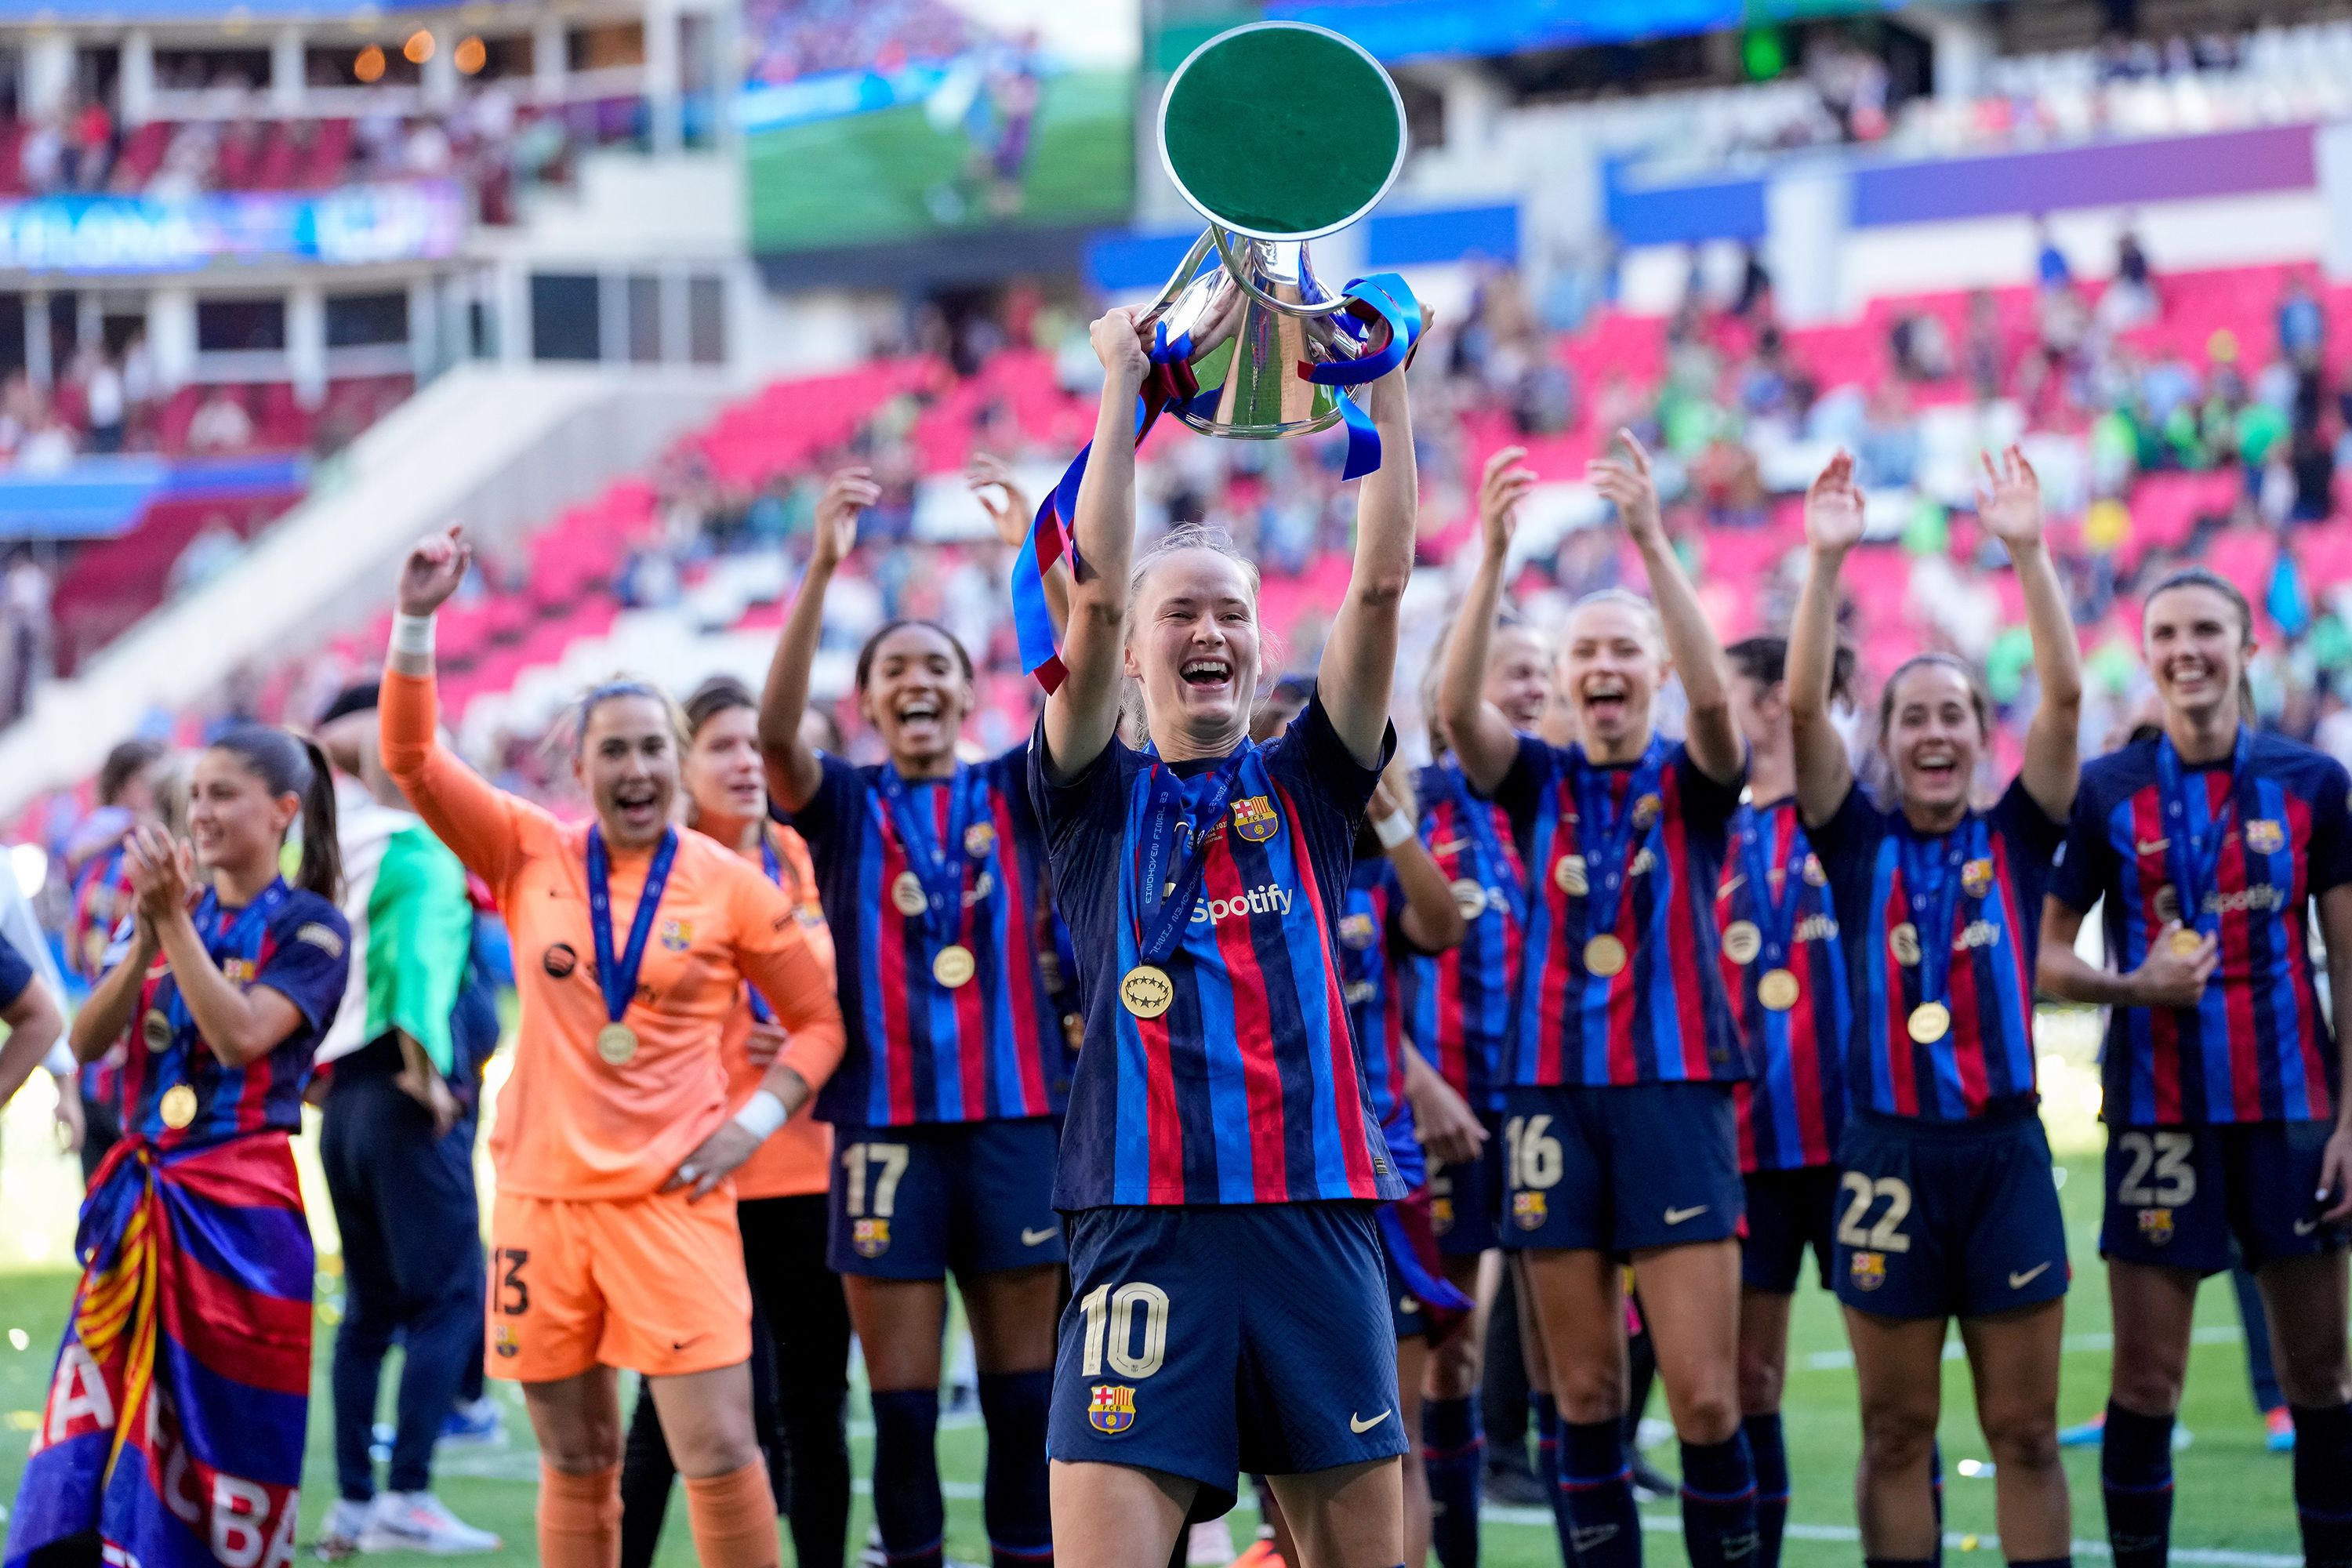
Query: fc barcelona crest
x=978 y=839
x=676 y=936
x=1358 y=931
x=1112 y=1408
x=2155 y=1227
x=1529 y=1210
x=1867 y=1271
x=869 y=1238
x=1255 y=818
x=1976 y=877
x=1647 y=810
x=2265 y=836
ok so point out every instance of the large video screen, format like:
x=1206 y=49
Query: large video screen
x=872 y=120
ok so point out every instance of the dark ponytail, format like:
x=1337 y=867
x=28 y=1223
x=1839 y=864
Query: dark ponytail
x=286 y=764
x=1765 y=661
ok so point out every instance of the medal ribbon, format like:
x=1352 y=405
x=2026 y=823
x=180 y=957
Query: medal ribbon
x=2195 y=861
x=1607 y=836
x=1931 y=882
x=618 y=979
x=1776 y=917
x=939 y=864
x=760 y=1012
x=1478 y=820
x=1172 y=876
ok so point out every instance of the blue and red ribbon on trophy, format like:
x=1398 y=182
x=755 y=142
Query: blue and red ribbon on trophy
x=1386 y=318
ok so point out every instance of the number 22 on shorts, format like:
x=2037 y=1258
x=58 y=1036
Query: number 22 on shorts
x=1886 y=1235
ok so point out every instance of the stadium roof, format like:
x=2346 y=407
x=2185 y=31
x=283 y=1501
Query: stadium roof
x=103 y=13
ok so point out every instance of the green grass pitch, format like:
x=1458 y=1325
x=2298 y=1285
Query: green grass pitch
x=2233 y=1498
x=883 y=175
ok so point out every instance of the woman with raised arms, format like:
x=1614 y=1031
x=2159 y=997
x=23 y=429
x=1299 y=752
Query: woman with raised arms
x=1223 y=1158
x=1948 y=1208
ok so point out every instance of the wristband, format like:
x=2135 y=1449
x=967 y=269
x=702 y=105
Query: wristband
x=1392 y=830
x=762 y=1114
x=412 y=633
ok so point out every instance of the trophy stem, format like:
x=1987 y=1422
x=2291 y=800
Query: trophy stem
x=1240 y=275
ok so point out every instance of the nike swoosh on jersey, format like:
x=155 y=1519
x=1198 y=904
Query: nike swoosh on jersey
x=2152 y=846
x=1038 y=1237
x=2019 y=1282
x=1677 y=1216
x=1360 y=1427
x=1449 y=847
x=2306 y=1226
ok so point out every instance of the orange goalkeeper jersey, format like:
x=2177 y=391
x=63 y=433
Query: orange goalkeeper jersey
x=569 y=1125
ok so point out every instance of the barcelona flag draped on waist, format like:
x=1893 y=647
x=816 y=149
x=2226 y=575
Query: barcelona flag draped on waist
x=174 y=1424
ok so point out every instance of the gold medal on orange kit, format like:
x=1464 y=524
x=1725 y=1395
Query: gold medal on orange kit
x=954 y=966
x=1604 y=956
x=1930 y=1022
x=1147 y=990
x=616 y=1044
x=179 y=1107
x=1777 y=990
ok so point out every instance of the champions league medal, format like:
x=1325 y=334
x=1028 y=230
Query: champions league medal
x=955 y=966
x=178 y=1105
x=1777 y=990
x=2196 y=858
x=1935 y=914
x=1930 y=1022
x=2185 y=941
x=1613 y=837
x=616 y=1043
x=1604 y=956
x=1147 y=990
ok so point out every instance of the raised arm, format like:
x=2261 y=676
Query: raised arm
x=1713 y=737
x=1431 y=919
x=1082 y=714
x=990 y=480
x=465 y=810
x=1482 y=738
x=2009 y=505
x=1833 y=507
x=1359 y=663
x=793 y=772
x=242 y=1026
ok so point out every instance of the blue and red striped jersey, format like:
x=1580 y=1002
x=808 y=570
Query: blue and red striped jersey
x=1984 y=1064
x=1242 y=1083
x=101 y=898
x=1663 y=1014
x=293 y=942
x=1458 y=1003
x=990 y=1049
x=1373 y=951
x=1791 y=1112
x=16 y=972
x=2257 y=1047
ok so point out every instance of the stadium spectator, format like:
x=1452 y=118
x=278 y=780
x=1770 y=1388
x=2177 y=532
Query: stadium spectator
x=220 y=423
x=26 y=633
x=397 y=1145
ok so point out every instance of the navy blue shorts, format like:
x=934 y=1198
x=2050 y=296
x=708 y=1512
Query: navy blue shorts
x=912 y=1203
x=2175 y=1196
x=1466 y=1201
x=1940 y=1219
x=1210 y=1341
x=1787 y=1212
x=1621 y=1169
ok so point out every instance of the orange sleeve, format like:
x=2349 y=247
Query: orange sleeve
x=480 y=823
x=779 y=959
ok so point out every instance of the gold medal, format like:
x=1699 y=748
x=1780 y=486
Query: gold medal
x=1604 y=956
x=907 y=893
x=1571 y=875
x=954 y=966
x=617 y=1043
x=1742 y=942
x=1147 y=990
x=2186 y=943
x=1930 y=1022
x=1904 y=942
x=178 y=1105
x=1777 y=990
x=1470 y=898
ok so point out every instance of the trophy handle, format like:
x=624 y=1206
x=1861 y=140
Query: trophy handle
x=1234 y=270
x=1176 y=280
